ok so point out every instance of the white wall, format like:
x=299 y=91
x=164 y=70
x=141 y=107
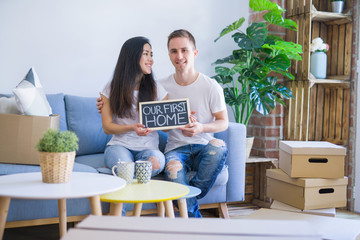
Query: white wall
x=74 y=44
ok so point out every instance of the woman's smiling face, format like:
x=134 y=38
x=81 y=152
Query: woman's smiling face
x=146 y=60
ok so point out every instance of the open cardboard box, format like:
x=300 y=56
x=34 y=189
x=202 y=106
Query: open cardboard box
x=313 y=159
x=20 y=134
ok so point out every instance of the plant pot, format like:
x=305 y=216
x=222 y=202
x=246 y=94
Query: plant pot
x=249 y=144
x=56 y=167
x=318 y=64
x=337 y=6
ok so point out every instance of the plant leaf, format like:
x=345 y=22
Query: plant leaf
x=231 y=96
x=280 y=61
x=292 y=50
x=224 y=60
x=224 y=71
x=285 y=74
x=261 y=5
x=232 y=27
x=223 y=79
x=254 y=38
x=240 y=54
x=276 y=19
x=272 y=39
x=284 y=91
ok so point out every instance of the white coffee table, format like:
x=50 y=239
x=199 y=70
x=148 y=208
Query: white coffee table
x=30 y=186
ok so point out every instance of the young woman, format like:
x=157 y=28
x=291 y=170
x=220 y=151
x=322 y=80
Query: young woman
x=132 y=83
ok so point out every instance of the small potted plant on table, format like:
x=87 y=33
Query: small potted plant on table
x=57 y=155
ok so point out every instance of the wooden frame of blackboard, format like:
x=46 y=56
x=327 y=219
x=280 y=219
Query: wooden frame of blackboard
x=159 y=103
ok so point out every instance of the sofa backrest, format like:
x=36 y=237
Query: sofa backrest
x=83 y=119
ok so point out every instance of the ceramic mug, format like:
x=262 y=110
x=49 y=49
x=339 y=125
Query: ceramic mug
x=125 y=170
x=143 y=171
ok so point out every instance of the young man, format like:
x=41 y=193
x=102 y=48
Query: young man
x=193 y=147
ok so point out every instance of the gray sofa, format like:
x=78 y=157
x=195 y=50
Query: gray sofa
x=79 y=114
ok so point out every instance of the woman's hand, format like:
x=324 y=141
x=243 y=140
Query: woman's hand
x=141 y=130
x=99 y=103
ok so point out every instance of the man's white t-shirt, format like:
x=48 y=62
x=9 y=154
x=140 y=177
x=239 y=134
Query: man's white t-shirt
x=131 y=140
x=205 y=96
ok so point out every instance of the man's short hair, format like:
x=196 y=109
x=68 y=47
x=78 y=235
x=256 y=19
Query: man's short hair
x=182 y=33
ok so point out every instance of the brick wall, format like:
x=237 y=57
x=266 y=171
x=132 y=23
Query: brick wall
x=267 y=130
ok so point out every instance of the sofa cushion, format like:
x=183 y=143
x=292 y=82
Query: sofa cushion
x=8 y=105
x=22 y=168
x=57 y=104
x=83 y=119
x=221 y=179
x=93 y=160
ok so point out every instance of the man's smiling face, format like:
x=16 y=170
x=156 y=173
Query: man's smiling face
x=182 y=53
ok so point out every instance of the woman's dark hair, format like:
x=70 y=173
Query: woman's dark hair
x=126 y=74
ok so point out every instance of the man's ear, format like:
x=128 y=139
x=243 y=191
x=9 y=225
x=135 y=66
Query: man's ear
x=196 y=53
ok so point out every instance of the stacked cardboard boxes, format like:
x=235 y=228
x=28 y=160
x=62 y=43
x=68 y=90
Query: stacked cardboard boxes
x=310 y=175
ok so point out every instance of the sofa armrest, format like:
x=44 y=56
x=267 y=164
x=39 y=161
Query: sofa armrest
x=235 y=138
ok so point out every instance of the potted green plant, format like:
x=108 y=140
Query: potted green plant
x=248 y=75
x=57 y=155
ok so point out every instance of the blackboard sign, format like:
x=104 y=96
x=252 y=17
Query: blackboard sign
x=167 y=114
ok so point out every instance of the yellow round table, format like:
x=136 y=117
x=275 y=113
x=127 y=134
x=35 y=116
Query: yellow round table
x=155 y=191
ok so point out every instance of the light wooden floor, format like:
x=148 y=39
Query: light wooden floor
x=51 y=232
x=237 y=211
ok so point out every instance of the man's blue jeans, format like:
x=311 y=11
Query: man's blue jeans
x=207 y=160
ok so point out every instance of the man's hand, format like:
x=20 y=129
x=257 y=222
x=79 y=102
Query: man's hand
x=99 y=103
x=191 y=129
x=193 y=117
x=141 y=130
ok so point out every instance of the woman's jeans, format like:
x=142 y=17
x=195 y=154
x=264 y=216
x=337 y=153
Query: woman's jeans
x=115 y=153
x=207 y=160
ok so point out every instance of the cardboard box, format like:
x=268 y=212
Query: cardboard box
x=330 y=212
x=328 y=227
x=20 y=134
x=306 y=193
x=312 y=159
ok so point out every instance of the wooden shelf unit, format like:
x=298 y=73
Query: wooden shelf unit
x=255 y=180
x=330 y=18
x=320 y=110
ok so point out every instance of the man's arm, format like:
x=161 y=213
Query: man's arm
x=220 y=123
